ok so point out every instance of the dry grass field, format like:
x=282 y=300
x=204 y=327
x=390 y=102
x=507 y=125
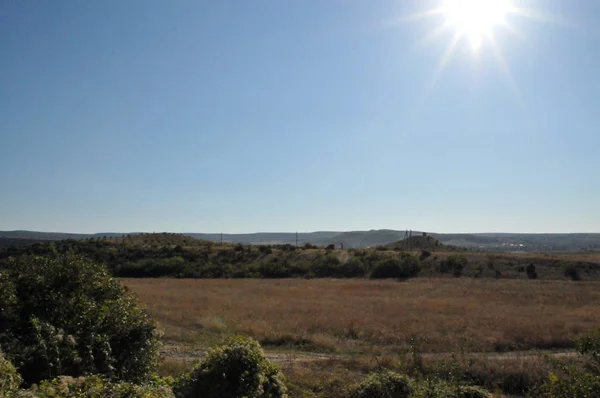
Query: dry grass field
x=328 y=333
x=334 y=315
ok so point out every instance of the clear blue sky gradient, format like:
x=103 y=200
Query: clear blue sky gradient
x=270 y=115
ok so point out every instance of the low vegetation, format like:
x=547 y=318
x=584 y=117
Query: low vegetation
x=70 y=329
x=176 y=255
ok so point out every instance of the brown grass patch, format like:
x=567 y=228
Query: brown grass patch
x=359 y=316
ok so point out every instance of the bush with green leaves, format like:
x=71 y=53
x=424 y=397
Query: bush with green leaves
x=580 y=379
x=384 y=384
x=407 y=266
x=438 y=388
x=454 y=264
x=10 y=379
x=239 y=368
x=65 y=315
x=97 y=387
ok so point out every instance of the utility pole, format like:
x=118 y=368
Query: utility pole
x=296 y=238
x=221 y=237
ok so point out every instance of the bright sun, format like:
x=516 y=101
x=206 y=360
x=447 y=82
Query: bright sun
x=476 y=22
x=475 y=19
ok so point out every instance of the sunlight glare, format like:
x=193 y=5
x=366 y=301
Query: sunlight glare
x=475 y=19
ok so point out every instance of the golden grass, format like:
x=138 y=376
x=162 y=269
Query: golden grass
x=361 y=316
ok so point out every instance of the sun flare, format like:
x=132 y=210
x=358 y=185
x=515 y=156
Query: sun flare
x=475 y=19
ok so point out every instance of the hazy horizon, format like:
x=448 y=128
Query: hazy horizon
x=278 y=116
x=293 y=232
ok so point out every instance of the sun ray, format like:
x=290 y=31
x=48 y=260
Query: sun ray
x=423 y=14
x=434 y=34
x=412 y=17
x=505 y=69
x=516 y=32
x=444 y=60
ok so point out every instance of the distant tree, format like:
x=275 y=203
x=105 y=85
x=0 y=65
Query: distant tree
x=455 y=264
x=572 y=272
x=531 y=272
x=330 y=247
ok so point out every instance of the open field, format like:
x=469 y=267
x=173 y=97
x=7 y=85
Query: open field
x=327 y=333
x=332 y=315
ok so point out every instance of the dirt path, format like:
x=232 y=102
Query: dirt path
x=191 y=354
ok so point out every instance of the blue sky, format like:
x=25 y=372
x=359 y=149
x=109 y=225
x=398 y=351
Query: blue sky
x=270 y=115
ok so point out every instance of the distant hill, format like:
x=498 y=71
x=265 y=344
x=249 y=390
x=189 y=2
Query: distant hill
x=507 y=242
x=17 y=242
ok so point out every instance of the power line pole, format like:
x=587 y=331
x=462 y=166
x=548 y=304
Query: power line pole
x=296 y=238
x=221 y=237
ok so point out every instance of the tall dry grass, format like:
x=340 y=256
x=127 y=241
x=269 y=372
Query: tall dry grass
x=374 y=316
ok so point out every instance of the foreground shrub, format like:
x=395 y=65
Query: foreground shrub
x=578 y=380
x=96 y=387
x=237 y=369
x=63 y=315
x=471 y=392
x=385 y=384
x=9 y=378
x=437 y=388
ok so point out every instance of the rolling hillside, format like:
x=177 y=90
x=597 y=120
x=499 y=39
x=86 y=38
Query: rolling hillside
x=506 y=242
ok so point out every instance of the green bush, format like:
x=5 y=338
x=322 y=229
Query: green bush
x=454 y=264
x=471 y=392
x=97 y=387
x=437 y=388
x=578 y=380
x=385 y=384
x=64 y=315
x=392 y=267
x=237 y=369
x=9 y=377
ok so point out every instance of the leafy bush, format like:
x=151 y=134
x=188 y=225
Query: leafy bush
x=237 y=369
x=471 y=392
x=579 y=380
x=63 y=315
x=410 y=266
x=97 y=387
x=438 y=388
x=400 y=268
x=385 y=384
x=9 y=378
x=354 y=267
x=455 y=264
